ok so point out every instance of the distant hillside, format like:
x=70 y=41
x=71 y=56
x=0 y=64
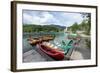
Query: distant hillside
x=44 y=28
x=62 y=27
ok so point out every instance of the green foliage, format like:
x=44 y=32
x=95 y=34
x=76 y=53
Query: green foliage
x=74 y=27
x=41 y=28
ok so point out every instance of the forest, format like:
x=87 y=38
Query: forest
x=42 y=28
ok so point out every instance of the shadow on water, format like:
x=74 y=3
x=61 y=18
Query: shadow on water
x=26 y=46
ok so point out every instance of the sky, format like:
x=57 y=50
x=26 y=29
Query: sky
x=51 y=17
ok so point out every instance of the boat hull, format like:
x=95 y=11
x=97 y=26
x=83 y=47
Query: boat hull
x=51 y=52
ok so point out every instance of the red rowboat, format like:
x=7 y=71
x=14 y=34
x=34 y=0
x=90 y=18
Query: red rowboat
x=51 y=52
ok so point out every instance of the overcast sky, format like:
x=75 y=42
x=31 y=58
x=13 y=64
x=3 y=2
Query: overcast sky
x=51 y=17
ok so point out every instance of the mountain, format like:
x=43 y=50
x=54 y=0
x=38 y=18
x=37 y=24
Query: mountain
x=62 y=27
x=45 y=28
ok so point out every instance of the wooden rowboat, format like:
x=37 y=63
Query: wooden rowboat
x=51 y=52
x=34 y=41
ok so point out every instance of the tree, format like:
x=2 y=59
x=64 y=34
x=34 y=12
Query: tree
x=87 y=19
x=75 y=27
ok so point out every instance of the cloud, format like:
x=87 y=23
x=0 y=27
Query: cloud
x=43 y=18
x=26 y=18
x=47 y=18
x=31 y=19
